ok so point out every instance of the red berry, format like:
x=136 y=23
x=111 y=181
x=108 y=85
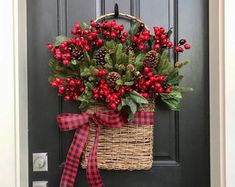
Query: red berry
x=92 y=23
x=67 y=98
x=74 y=31
x=157 y=46
x=160 y=90
x=177 y=49
x=146 y=69
x=96 y=96
x=54 y=84
x=72 y=83
x=101 y=72
x=50 y=46
x=113 y=35
x=169 y=44
x=86 y=31
x=82 y=89
x=146 y=32
x=61 y=88
x=77 y=25
x=121 y=27
x=125 y=34
x=150 y=74
x=161 y=78
x=90 y=38
x=157 y=85
x=87 y=48
x=116 y=27
x=123 y=40
x=168 y=90
x=141 y=47
x=113 y=106
x=66 y=62
x=78 y=82
x=75 y=97
x=187 y=46
x=99 y=42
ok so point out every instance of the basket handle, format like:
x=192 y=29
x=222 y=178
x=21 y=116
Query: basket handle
x=116 y=14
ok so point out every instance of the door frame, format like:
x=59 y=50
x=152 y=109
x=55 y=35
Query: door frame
x=221 y=138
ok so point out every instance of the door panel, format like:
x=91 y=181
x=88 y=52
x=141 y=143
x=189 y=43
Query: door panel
x=181 y=141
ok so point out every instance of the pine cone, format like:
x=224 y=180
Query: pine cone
x=151 y=59
x=76 y=53
x=112 y=78
x=130 y=67
x=100 y=56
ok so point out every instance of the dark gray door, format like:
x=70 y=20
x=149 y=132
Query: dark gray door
x=181 y=149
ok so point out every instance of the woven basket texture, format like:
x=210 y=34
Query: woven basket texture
x=126 y=148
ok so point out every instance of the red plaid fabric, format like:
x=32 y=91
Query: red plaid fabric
x=82 y=123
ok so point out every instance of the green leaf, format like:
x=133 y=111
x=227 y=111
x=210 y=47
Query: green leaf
x=132 y=105
x=169 y=33
x=133 y=29
x=130 y=83
x=138 y=98
x=172 y=99
x=84 y=25
x=50 y=78
x=59 y=40
x=139 y=61
x=86 y=72
x=118 y=53
x=182 y=89
x=110 y=44
x=119 y=82
x=87 y=57
x=74 y=62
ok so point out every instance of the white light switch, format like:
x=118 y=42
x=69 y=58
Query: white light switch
x=40 y=183
x=40 y=162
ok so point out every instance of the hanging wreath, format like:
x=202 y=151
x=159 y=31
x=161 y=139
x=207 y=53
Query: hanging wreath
x=104 y=65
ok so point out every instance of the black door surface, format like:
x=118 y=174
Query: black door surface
x=181 y=143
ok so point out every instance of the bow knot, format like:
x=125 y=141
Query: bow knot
x=81 y=123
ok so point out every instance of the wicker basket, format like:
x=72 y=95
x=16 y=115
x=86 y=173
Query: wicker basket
x=126 y=148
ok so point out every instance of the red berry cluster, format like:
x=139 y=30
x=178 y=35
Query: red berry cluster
x=107 y=30
x=63 y=51
x=161 y=39
x=181 y=46
x=111 y=30
x=141 y=38
x=69 y=88
x=103 y=93
x=149 y=85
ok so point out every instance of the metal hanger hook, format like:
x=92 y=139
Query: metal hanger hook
x=116 y=10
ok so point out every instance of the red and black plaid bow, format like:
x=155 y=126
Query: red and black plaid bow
x=82 y=124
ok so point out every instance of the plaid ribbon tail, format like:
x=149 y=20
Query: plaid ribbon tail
x=73 y=156
x=93 y=174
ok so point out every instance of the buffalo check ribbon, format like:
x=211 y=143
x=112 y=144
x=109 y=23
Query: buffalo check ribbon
x=81 y=123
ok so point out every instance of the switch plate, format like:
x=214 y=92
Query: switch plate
x=40 y=162
x=40 y=183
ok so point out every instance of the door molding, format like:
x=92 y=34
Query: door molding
x=18 y=82
x=217 y=85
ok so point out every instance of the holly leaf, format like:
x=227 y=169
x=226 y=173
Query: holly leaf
x=59 y=40
x=132 y=105
x=138 y=98
x=139 y=61
x=172 y=99
x=84 y=25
